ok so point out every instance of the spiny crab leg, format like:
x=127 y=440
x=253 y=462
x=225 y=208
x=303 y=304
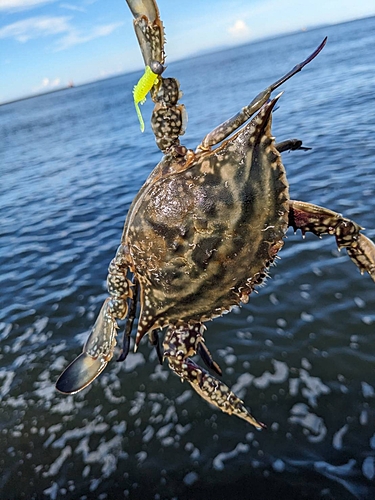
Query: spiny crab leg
x=98 y=349
x=229 y=126
x=320 y=220
x=180 y=343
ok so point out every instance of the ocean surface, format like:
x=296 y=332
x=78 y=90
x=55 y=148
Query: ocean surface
x=302 y=352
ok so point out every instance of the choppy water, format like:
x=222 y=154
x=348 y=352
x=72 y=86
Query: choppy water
x=301 y=353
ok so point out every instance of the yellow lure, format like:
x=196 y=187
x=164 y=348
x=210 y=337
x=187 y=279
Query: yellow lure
x=143 y=87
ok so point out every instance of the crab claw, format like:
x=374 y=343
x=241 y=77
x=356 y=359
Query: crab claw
x=97 y=351
x=148 y=29
x=80 y=373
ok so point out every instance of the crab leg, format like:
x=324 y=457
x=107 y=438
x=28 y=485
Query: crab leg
x=229 y=126
x=319 y=220
x=180 y=343
x=207 y=358
x=98 y=349
x=290 y=145
x=130 y=320
x=154 y=340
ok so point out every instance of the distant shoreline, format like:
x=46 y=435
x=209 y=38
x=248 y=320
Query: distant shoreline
x=37 y=95
x=69 y=87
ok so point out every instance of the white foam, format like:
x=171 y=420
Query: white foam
x=314 y=425
x=243 y=381
x=281 y=375
x=278 y=465
x=368 y=468
x=367 y=390
x=338 y=437
x=190 y=478
x=164 y=431
x=218 y=462
x=87 y=430
x=314 y=387
x=185 y=396
x=133 y=360
x=58 y=463
x=148 y=434
x=52 y=491
x=8 y=377
x=160 y=374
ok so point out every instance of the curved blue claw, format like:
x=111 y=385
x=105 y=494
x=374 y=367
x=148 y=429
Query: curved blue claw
x=80 y=373
x=97 y=351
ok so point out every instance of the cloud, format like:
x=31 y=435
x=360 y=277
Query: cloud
x=239 y=29
x=70 y=6
x=35 y=27
x=74 y=37
x=48 y=84
x=40 y=26
x=13 y=5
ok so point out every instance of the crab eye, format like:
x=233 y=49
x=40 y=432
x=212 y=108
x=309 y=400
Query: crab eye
x=156 y=67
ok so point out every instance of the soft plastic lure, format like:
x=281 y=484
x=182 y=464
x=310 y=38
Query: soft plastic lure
x=140 y=91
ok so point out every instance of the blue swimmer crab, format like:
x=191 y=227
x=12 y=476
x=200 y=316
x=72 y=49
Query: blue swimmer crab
x=202 y=231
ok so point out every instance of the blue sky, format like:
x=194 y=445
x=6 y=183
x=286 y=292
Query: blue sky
x=45 y=44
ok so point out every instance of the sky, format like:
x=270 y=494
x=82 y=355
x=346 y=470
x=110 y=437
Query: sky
x=45 y=44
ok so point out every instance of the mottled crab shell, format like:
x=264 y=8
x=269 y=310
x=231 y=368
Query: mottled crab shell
x=201 y=235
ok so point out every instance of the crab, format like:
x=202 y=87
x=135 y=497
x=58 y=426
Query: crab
x=202 y=232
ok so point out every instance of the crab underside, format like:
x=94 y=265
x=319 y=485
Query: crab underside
x=202 y=231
